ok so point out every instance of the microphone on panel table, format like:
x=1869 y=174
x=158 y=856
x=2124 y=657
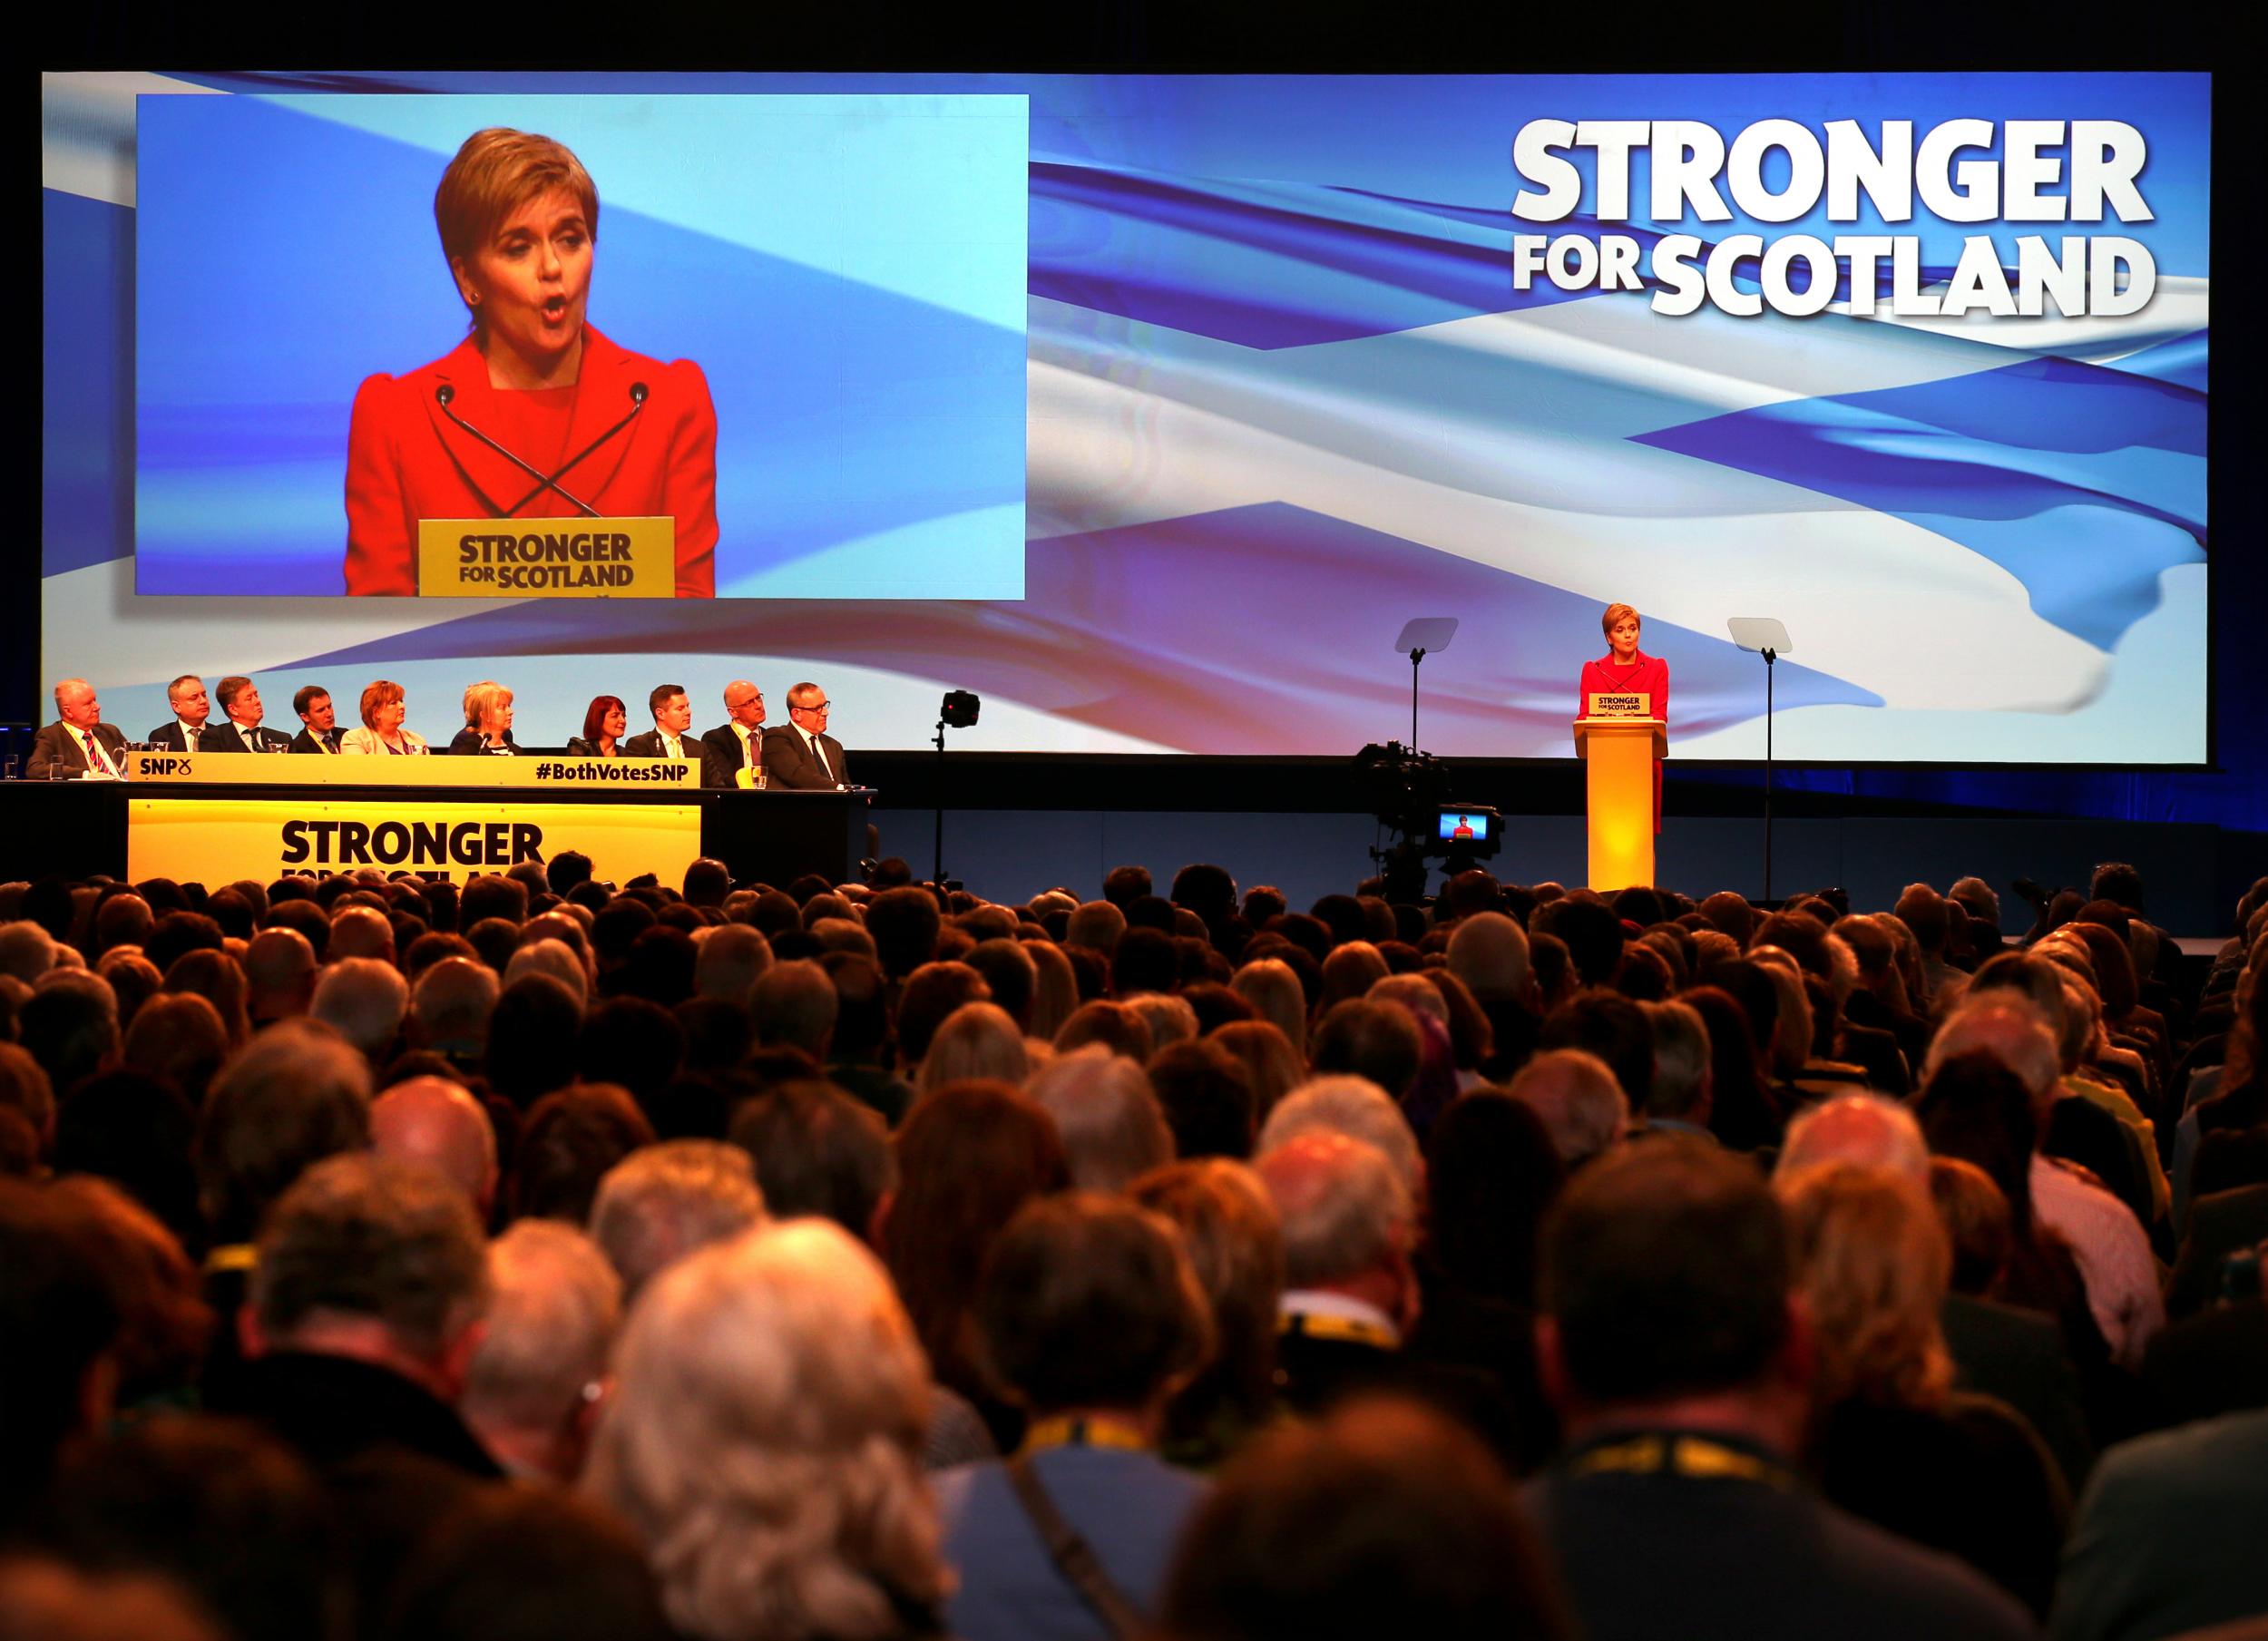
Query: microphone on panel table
x=444 y=395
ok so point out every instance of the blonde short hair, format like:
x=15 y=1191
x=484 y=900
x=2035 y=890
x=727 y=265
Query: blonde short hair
x=765 y=1439
x=1874 y=1263
x=482 y=698
x=1615 y=612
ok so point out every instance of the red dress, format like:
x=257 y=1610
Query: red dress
x=1648 y=675
x=407 y=461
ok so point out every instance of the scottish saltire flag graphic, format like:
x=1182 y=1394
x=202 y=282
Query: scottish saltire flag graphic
x=1282 y=395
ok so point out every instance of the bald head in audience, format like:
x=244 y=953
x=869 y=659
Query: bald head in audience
x=437 y=1123
x=361 y=931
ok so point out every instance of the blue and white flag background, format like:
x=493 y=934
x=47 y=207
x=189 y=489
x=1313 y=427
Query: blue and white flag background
x=1282 y=394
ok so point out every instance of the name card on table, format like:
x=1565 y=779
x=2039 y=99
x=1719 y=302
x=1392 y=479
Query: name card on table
x=1639 y=704
x=547 y=558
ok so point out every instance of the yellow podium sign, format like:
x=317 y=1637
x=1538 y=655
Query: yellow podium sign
x=218 y=841
x=1620 y=754
x=547 y=558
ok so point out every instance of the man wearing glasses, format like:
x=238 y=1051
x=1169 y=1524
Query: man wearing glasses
x=800 y=753
x=737 y=744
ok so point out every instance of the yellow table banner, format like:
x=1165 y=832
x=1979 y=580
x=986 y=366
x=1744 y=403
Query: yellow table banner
x=219 y=840
x=306 y=770
x=547 y=558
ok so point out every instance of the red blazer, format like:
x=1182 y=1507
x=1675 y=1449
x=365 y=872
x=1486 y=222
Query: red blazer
x=406 y=461
x=1648 y=674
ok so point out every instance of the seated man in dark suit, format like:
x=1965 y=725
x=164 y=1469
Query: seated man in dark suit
x=1681 y=1359
x=800 y=753
x=672 y=718
x=239 y=729
x=78 y=742
x=322 y=735
x=366 y=1298
x=738 y=743
x=191 y=707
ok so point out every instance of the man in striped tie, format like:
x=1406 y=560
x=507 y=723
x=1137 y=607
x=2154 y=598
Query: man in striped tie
x=79 y=742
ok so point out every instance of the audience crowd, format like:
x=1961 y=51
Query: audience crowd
x=531 y=1258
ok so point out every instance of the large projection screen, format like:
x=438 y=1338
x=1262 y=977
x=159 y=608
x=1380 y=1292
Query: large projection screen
x=1916 y=364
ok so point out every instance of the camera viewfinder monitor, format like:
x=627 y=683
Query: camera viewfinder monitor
x=1468 y=829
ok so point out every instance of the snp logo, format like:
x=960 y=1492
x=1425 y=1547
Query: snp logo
x=169 y=765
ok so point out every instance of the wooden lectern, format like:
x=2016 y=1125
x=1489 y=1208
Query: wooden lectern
x=1620 y=754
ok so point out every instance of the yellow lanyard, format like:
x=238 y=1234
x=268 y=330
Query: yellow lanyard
x=232 y=1256
x=1694 y=1457
x=1065 y=1431
x=1351 y=1330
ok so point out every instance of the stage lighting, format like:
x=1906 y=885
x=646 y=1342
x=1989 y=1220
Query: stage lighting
x=960 y=708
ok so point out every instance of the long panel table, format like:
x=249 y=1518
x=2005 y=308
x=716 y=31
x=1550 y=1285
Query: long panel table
x=216 y=817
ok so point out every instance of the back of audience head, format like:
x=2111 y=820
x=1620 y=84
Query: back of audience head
x=1873 y=1262
x=905 y=924
x=1114 y=1025
x=1590 y=931
x=1376 y=1040
x=1578 y=1101
x=451 y=1005
x=969 y=1155
x=1106 y=1115
x=1206 y=1097
x=179 y=1038
x=2009 y=1028
x=219 y=1506
x=817 y=1150
x=1169 y=1018
x=1273 y=1067
x=1492 y=1174
x=373 y=1257
x=527 y=1564
x=659 y=1204
x=533 y=1387
x=1088 y=1302
x=1346 y=1215
x=1383 y=1518
x=1612 y=1027
x=435 y=1123
x=1356 y=1107
x=1270 y=985
x=365 y=1000
x=69 y=1025
x=1863 y=1129
x=1229 y=1224
x=931 y=994
x=1667 y=1274
x=1980 y=1227
x=1488 y=953
x=976 y=1041
x=297 y=1094
x=1012 y=973
x=795 y=1004
x=765 y=1441
x=571 y=1137
x=632 y=1041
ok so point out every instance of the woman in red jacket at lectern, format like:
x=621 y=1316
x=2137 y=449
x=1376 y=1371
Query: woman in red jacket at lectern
x=1624 y=669
x=624 y=434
